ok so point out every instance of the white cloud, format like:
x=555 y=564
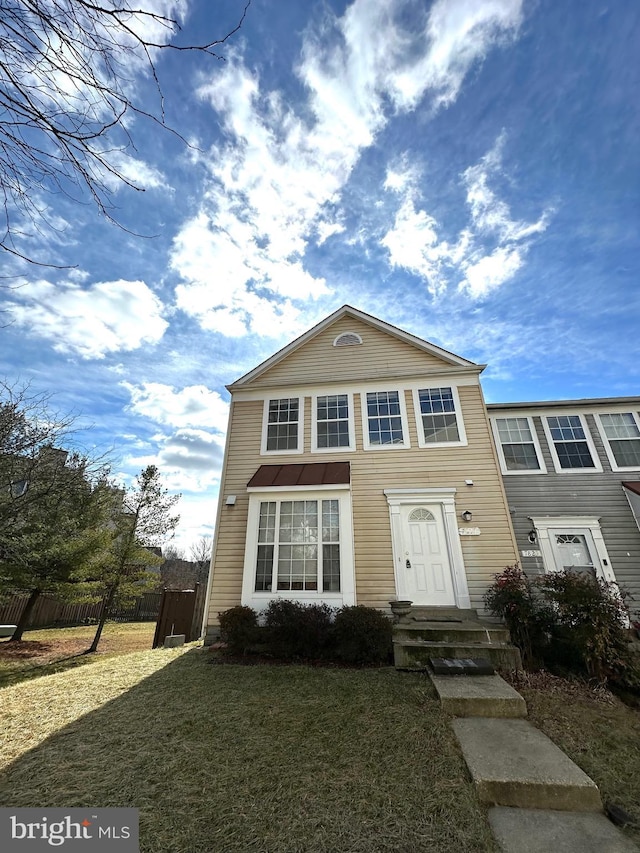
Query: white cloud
x=194 y=406
x=491 y=271
x=485 y=254
x=283 y=168
x=105 y=317
x=190 y=460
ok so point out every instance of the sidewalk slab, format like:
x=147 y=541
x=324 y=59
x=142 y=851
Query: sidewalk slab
x=542 y=830
x=478 y=696
x=514 y=764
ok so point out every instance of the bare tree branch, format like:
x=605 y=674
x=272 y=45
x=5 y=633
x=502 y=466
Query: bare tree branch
x=67 y=74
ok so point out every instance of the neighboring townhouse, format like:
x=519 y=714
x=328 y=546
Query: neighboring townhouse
x=572 y=476
x=359 y=468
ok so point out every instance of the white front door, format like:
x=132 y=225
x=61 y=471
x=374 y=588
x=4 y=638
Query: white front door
x=425 y=567
x=574 y=551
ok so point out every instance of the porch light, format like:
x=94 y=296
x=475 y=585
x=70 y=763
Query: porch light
x=466 y=516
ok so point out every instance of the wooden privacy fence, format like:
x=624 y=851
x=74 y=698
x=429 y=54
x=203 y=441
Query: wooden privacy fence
x=181 y=612
x=49 y=611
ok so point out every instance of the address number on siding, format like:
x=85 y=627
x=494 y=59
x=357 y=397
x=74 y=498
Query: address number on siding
x=531 y=553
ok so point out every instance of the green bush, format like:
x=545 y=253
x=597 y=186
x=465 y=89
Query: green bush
x=239 y=629
x=295 y=630
x=362 y=635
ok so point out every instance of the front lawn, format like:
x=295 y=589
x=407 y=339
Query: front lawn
x=229 y=759
x=49 y=650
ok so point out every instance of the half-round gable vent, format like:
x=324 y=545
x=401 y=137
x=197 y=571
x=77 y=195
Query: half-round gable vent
x=348 y=339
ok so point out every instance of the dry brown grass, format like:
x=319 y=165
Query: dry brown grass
x=594 y=728
x=234 y=759
x=52 y=650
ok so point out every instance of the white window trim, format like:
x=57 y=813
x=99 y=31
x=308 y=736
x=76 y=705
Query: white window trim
x=260 y=600
x=265 y=424
x=534 y=436
x=379 y=389
x=572 y=523
x=606 y=441
x=597 y=465
x=314 y=424
x=462 y=441
x=445 y=497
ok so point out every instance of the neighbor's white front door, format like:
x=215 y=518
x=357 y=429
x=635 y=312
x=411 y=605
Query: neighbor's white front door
x=574 y=551
x=425 y=566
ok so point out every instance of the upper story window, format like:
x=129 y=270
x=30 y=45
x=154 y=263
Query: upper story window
x=385 y=420
x=438 y=417
x=622 y=439
x=333 y=423
x=570 y=444
x=282 y=432
x=518 y=446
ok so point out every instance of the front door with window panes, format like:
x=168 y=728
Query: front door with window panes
x=425 y=568
x=574 y=551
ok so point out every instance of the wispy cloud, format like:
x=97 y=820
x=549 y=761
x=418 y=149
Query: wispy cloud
x=277 y=182
x=194 y=406
x=91 y=321
x=486 y=253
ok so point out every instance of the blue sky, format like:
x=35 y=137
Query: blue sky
x=465 y=169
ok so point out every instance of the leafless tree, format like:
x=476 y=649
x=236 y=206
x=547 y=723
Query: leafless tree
x=201 y=556
x=67 y=97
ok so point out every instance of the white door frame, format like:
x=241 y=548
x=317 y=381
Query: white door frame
x=578 y=524
x=445 y=498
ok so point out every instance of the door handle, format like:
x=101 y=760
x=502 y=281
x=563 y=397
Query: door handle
x=408 y=564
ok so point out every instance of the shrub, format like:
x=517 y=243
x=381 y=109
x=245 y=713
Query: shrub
x=512 y=597
x=362 y=635
x=588 y=633
x=567 y=621
x=295 y=630
x=239 y=629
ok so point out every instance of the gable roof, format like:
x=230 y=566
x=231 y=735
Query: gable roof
x=349 y=311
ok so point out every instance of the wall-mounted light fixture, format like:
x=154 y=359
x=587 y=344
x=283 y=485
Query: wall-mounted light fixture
x=466 y=516
x=533 y=536
x=231 y=500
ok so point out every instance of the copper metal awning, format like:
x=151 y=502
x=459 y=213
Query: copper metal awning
x=311 y=474
x=632 y=485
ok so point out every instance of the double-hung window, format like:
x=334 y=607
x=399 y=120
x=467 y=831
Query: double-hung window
x=282 y=432
x=622 y=439
x=518 y=447
x=385 y=420
x=332 y=427
x=570 y=444
x=298 y=546
x=438 y=417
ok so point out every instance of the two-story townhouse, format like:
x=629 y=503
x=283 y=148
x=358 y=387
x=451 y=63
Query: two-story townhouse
x=572 y=476
x=359 y=468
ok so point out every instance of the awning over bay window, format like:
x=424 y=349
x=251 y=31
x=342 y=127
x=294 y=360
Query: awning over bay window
x=305 y=474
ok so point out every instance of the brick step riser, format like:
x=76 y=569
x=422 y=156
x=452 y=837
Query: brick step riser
x=438 y=613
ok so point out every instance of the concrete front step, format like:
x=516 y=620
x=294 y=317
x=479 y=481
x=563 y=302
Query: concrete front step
x=439 y=614
x=478 y=696
x=514 y=764
x=451 y=632
x=541 y=830
x=415 y=654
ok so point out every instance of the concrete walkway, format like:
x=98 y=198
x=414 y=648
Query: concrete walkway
x=541 y=800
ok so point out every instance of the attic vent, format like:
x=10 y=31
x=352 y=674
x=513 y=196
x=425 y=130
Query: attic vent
x=348 y=339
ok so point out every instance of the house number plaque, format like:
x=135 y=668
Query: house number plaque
x=469 y=531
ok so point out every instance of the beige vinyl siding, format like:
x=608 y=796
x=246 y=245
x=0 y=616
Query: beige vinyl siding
x=378 y=355
x=372 y=472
